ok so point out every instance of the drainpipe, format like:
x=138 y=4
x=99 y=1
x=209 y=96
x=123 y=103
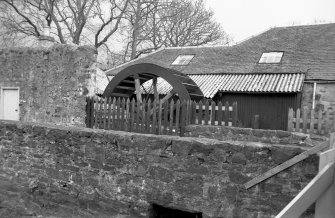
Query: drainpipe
x=314 y=90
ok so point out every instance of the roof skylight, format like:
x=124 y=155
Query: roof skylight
x=271 y=57
x=183 y=60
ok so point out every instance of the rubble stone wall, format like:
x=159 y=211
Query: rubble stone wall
x=79 y=172
x=324 y=96
x=53 y=82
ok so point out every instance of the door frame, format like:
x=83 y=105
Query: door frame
x=2 y=103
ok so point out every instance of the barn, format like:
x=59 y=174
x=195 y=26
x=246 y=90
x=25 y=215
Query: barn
x=282 y=68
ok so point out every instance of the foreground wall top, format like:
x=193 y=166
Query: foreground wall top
x=97 y=173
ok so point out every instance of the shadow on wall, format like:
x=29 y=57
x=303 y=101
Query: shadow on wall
x=157 y=211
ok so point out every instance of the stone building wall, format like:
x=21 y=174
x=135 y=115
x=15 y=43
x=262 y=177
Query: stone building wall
x=52 y=81
x=79 y=172
x=324 y=96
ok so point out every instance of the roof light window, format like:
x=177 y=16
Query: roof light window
x=271 y=57
x=183 y=60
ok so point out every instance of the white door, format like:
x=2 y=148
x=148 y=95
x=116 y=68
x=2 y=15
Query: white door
x=10 y=104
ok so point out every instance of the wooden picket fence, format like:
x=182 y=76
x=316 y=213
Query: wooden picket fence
x=162 y=118
x=311 y=121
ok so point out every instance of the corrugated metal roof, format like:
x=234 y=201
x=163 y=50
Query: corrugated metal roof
x=210 y=84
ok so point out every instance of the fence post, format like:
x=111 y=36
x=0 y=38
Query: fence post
x=200 y=113
x=160 y=118
x=183 y=118
x=304 y=120
x=332 y=140
x=226 y=114
x=311 y=125
x=319 y=121
x=255 y=121
x=235 y=116
x=324 y=207
x=212 y=113
x=220 y=113
x=177 y=117
x=206 y=112
x=290 y=120
x=105 y=113
x=326 y=122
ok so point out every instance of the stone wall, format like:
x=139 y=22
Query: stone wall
x=79 y=172
x=53 y=81
x=224 y=133
x=324 y=96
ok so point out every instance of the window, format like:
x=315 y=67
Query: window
x=271 y=57
x=183 y=60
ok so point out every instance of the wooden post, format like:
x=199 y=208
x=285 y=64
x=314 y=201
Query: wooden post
x=138 y=89
x=325 y=205
x=137 y=125
x=206 y=112
x=127 y=115
x=118 y=114
x=148 y=127
x=220 y=113
x=97 y=114
x=297 y=122
x=255 y=121
x=109 y=113
x=235 y=116
x=326 y=122
x=311 y=127
x=200 y=114
x=304 y=119
x=226 y=114
x=213 y=113
x=183 y=120
x=165 y=117
x=194 y=112
x=160 y=118
x=171 y=117
x=332 y=140
x=132 y=116
x=105 y=113
x=319 y=121
x=114 y=113
x=154 y=117
x=290 y=120
x=143 y=116
x=177 y=117
x=88 y=112
x=123 y=120
x=156 y=95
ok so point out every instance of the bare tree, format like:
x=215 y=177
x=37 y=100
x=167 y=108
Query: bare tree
x=171 y=23
x=69 y=21
x=138 y=15
x=190 y=23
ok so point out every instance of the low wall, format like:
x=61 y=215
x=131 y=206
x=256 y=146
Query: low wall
x=79 y=172
x=224 y=133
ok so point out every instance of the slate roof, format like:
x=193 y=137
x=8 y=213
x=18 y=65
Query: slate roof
x=307 y=49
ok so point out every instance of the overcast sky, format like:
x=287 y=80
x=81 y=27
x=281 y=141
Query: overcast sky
x=244 y=18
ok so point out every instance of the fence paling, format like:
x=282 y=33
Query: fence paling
x=177 y=116
x=167 y=117
x=311 y=121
